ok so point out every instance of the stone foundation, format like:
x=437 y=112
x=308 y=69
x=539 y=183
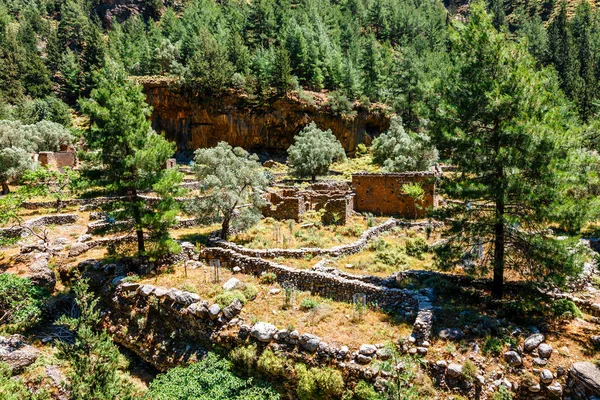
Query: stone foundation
x=58 y=160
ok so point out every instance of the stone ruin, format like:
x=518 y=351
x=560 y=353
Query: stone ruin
x=382 y=194
x=289 y=202
x=58 y=159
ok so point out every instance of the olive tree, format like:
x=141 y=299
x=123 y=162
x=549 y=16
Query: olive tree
x=313 y=152
x=233 y=185
x=398 y=150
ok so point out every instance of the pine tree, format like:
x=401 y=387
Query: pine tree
x=508 y=130
x=371 y=69
x=582 y=25
x=562 y=52
x=130 y=155
x=282 y=74
x=497 y=10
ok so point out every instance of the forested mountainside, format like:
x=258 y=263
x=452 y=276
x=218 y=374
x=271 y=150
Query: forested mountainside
x=391 y=51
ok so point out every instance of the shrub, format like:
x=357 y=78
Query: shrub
x=339 y=103
x=469 y=371
x=250 y=291
x=364 y=391
x=319 y=383
x=566 y=309
x=244 y=358
x=392 y=256
x=20 y=302
x=209 y=379
x=268 y=278
x=415 y=247
x=15 y=388
x=189 y=287
x=309 y=303
x=492 y=346
x=224 y=299
x=502 y=394
x=271 y=365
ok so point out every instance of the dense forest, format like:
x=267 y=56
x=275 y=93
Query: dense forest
x=391 y=51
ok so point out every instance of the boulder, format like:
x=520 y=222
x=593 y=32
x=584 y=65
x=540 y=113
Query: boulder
x=544 y=350
x=310 y=342
x=78 y=249
x=362 y=359
x=384 y=353
x=264 y=332
x=533 y=341
x=451 y=334
x=41 y=275
x=232 y=284
x=555 y=389
x=512 y=358
x=586 y=376
x=86 y=237
x=16 y=353
x=233 y=309
x=183 y=298
x=213 y=311
x=546 y=376
x=454 y=370
x=367 y=349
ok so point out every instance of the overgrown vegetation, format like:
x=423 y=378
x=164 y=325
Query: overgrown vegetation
x=21 y=303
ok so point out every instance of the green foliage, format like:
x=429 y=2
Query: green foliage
x=16 y=389
x=224 y=299
x=56 y=184
x=233 y=186
x=309 y=303
x=209 y=379
x=502 y=394
x=129 y=157
x=249 y=291
x=496 y=122
x=245 y=358
x=365 y=391
x=392 y=256
x=416 y=247
x=271 y=365
x=313 y=152
x=398 y=150
x=268 y=278
x=319 y=383
x=469 y=371
x=94 y=360
x=21 y=303
x=566 y=309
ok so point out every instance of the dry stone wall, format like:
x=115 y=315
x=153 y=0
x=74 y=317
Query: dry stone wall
x=58 y=219
x=324 y=284
x=338 y=251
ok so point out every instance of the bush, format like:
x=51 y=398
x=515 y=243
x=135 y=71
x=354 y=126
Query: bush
x=319 y=383
x=416 y=247
x=271 y=365
x=309 y=303
x=365 y=391
x=339 y=103
x=392 y=256
x=250 y=291
x=566 y=309
x=244 y=358
x=20 y=302
x=209 y=379
x=470 y=371
x=268 y=278
x=493 y=346
x=224 y=299
x=502 y=394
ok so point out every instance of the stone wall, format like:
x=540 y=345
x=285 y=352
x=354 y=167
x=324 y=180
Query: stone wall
x=38 y=222
x=382 y=194
x=336 y=287
x=194 y=122
x=58 y=160
x=337 y=251
x=290 y=202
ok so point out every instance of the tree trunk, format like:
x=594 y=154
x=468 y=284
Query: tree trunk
x=5 y=188
x=225 y=229
x=499 y=240
x=314 y=178
x=137 y=218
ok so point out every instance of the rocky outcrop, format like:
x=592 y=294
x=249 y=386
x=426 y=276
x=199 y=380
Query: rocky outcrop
x=195 y=122
x=16 y=353
x=584 y=380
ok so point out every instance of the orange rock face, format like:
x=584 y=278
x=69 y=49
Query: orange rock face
x=195 y=122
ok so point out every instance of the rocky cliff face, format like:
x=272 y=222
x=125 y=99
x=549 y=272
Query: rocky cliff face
x=194 y=122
